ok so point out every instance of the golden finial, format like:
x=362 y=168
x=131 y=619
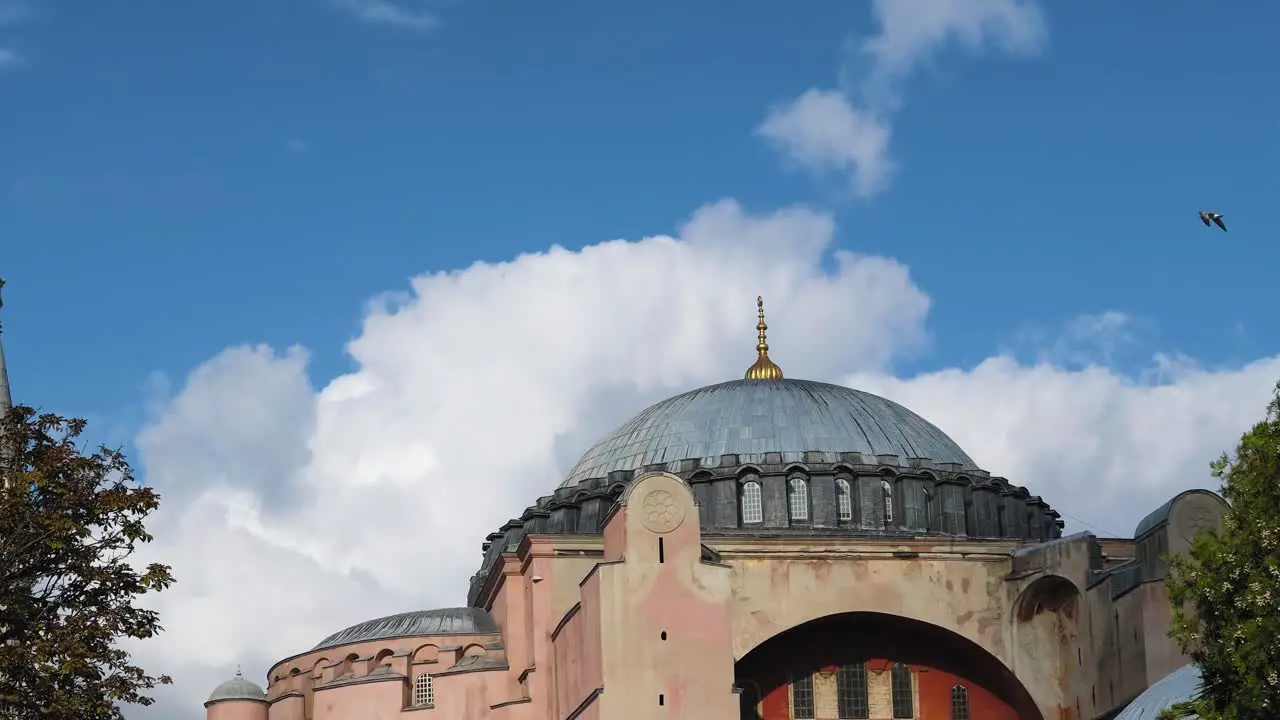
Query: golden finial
x=764 y=368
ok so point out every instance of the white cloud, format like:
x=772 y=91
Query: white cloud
x=290 y=512
x=821 y=131
x=385 y=12
x=848 y=130
x=9 y=58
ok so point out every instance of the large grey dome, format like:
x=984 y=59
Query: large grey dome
x=752 y=417
x=443 y=621
x=237 y=688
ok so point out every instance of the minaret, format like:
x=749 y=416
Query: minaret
x=764 y=368
x=6 y=400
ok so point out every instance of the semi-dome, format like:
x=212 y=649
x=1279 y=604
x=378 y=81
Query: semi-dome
x=237 y=688
x=753 y=417
x=442 y=621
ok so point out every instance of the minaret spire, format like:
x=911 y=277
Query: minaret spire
x=6 y=399
x=764 y=368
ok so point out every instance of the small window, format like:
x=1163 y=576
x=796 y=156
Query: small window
x=887 y=491
x=802 y=697
x=959 y=702
x=903 y=702
x=844 y=500
x=798 y=499
x=424 y=693
x=851 y=692
x=752 y=507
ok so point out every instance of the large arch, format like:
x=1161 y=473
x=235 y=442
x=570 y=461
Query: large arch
x=816 y=648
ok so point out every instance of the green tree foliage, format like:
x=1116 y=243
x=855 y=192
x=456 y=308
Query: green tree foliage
x=1226 y=591
x=69 y=522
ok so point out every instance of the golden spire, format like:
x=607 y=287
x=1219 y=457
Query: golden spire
x=764 y=368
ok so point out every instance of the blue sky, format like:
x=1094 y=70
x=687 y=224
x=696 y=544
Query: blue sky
x=178 y=177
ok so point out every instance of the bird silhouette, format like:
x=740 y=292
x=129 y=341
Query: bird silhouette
x=1212 y=217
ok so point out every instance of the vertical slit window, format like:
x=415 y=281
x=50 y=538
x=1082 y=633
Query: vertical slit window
x=851 y=692
x=903 y=702
x=844 y=500
x=802 y=697
x=424 y=694
x=752 y=506
x=798 y=499
x=887 y=490
x=960 y=702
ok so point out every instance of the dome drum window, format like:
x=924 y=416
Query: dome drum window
x=798 y=499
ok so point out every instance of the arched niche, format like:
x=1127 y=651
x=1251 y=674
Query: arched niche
x=882 y=641
x=1046 y=631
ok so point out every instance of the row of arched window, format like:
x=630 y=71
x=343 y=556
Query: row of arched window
x=798 y=501
x=852 y=699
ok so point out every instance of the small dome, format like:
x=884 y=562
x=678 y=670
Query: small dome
x=237 y=688
x=444 y=621
x=753 y=417
x=1181 y=685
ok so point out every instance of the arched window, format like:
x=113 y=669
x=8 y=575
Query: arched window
x=752 y=507
x=903 y=702
x=851 y=692
x=424 y=693
x=802 y=696
x=844 y=500
x=798 y=499
x=959 y=702
x=887 y=490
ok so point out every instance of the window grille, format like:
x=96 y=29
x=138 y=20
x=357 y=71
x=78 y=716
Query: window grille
x=959 y=702
x=802 y=697
x=752 y=507
x=903 y=702
x=887 y=489
x=844 y=500
x=424 y=692
x=851 y=692
x=798 y=499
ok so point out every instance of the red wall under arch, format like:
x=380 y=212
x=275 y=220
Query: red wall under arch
x=939 y=660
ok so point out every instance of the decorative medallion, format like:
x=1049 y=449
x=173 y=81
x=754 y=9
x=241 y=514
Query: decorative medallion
x=1194 y=518
x=660 y=512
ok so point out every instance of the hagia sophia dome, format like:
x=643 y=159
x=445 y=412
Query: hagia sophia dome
x=856 y=457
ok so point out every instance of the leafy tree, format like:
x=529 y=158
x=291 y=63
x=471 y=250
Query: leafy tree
x=1226 y=591
x=69 y=522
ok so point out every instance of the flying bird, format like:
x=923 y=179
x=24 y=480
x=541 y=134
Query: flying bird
x=1215 y=218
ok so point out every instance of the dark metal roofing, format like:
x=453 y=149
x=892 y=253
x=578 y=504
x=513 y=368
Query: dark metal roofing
x=444 y=621
x=1178 y=686
x=752 y=417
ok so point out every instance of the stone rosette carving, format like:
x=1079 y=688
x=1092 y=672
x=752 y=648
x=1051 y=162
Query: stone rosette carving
x=1194 y=517
x=661 y=512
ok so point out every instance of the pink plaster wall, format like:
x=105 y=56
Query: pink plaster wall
x=288 y=708
x=367 y=701
x=1163 y=655
x=666 y=638
x=236 y=710
x=578 y=664
x=470 y=695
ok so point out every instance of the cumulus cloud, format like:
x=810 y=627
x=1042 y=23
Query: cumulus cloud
x=384 y=12
x=291 y=511
x=848 y=129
